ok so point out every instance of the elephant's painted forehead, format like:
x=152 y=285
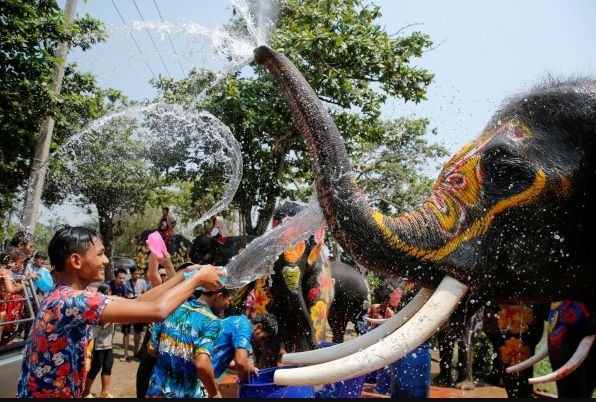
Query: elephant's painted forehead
x=512 y=131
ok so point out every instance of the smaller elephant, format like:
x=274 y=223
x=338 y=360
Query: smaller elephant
x=207 y=250
x=569 y=323
x=351 y=300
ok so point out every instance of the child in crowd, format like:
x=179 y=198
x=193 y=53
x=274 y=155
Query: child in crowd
x=11 y=288
x=103 y=354
x=54 y=362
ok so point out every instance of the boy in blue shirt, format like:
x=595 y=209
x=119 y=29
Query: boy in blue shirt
x=233 y=343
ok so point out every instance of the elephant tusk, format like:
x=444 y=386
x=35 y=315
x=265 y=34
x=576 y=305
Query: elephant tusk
x=376 y=321
x=578 y=357
x=355 y=345
x=396 y=345
x=543 y=354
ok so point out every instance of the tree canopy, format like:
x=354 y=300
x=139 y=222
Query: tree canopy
x=354 y=66
x=29 y=33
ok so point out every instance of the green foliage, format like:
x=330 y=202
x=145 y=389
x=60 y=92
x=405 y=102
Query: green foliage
x=29 y=32
x=354 y=66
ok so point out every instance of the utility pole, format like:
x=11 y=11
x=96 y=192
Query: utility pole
x=42 y=150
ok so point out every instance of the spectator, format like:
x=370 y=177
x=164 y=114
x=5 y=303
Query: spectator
x=250 y=311
x=380 y=310
x=118 y=284
x=165 y=226
x=218 y=230
x=25 y=242
x=234 y=341
x=11 y=268
x=103 y=354
x=183 y=345
x=54 y=361
x=136 y=286
x=36 y=268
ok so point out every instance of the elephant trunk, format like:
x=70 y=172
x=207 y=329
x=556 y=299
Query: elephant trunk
x=392 y=246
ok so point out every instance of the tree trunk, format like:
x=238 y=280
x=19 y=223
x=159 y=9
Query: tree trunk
x=106 y=228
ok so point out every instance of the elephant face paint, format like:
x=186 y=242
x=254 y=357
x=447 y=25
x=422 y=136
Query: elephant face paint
x=459 y=205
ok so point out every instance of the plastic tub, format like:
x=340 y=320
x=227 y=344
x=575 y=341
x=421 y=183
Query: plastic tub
x=351 y=388
x=264 y=387
x=412 y=374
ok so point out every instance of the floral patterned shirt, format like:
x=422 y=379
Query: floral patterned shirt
x=54 y=364
x=189 y=331
x=236 y=332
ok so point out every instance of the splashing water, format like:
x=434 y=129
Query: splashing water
x=259 y=257
x=165 y=131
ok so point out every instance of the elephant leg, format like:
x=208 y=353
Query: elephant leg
x=469 y=337
x=498 y=372
x=582 y=382
x=338 y=328
x=446 y=347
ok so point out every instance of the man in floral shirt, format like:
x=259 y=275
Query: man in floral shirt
x=54 y=364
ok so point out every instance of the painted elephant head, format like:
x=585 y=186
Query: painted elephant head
x=178 y=250
x=510 y=215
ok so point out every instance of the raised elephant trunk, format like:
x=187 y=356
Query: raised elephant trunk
x=366 y=235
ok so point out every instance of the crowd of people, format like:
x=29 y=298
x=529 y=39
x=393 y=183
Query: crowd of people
x=188 y=344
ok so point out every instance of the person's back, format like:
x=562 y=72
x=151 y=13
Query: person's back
x=183 y=345
x=237 y=335
x=236 y=332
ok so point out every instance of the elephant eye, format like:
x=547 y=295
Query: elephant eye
x=505 y=172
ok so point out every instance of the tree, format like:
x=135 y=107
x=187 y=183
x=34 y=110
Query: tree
x=350 y=62
x=105 y=167
x=29 y=32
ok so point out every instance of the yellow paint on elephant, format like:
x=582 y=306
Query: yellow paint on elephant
x=292 y=277
x=261 y=298
x=514 y=352
x=474 y=230
x=318 y=316
x=552 y=324
x=293 y=254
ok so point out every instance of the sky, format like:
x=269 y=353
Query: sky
x=484 y=50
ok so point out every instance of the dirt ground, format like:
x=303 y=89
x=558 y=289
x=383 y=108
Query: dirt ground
x=124 y=377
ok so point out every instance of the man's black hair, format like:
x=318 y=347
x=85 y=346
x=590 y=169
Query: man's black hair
x=41 y=254
x=134 y=269
x=224 y=291
x=103 y=288
x=69 y=240
x=21 y=237
x=120 y=271
x=166 y=208
x=268 y=322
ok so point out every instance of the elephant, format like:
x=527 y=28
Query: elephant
x=178 y=250
x=352 y=297
x=207 y=250
x=509 y=219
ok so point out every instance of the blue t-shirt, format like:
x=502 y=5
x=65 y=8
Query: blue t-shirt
x=236 y=332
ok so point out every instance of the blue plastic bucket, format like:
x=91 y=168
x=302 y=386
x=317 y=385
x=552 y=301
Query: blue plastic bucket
x=412 y=374
x=44 y=280
x=264 y=387
x=351 y=388
x=384 y=379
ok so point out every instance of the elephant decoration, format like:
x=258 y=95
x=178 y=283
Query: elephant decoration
x=351 y=301
x=514 y=331
x=571 y=328
x=179 y=249
x=509 y=218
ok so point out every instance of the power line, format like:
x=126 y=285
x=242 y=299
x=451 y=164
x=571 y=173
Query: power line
x=170 y=39
x=133 y=39
x=150 y=36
